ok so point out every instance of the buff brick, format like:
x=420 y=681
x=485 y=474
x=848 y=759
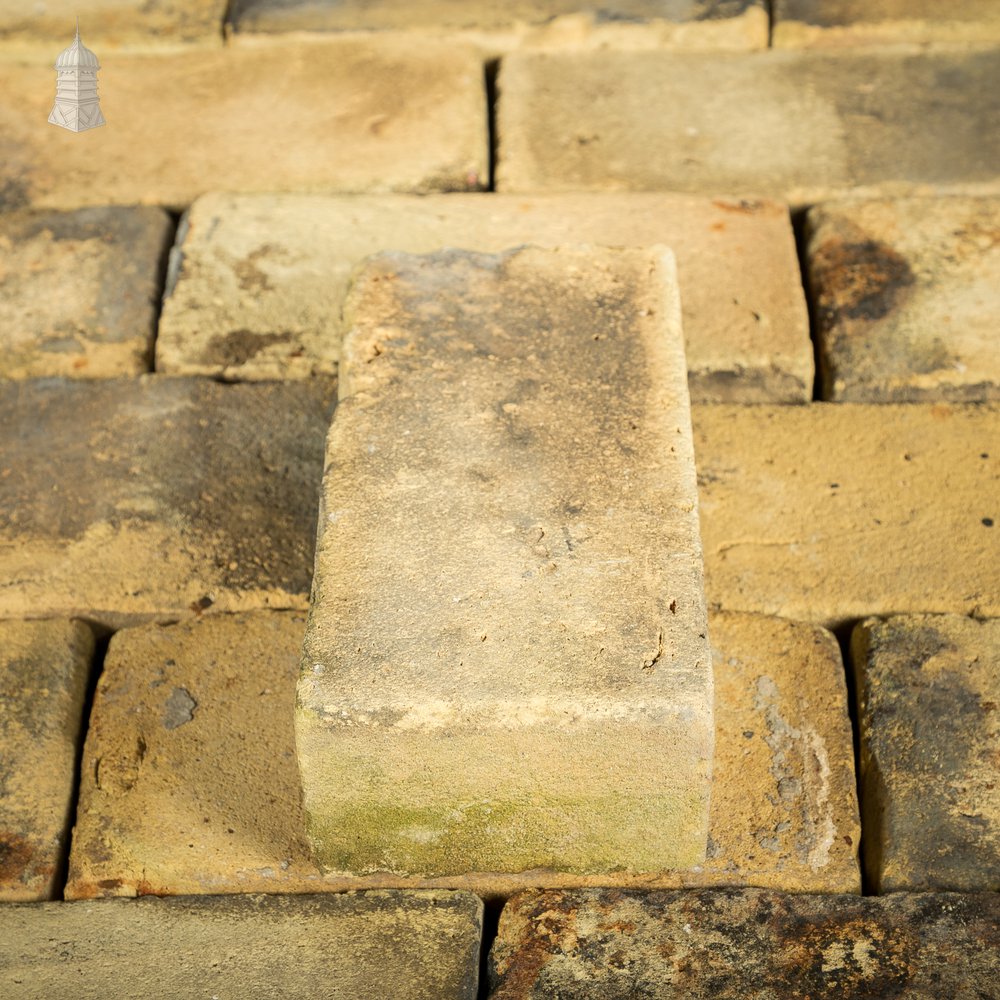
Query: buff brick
x=258 y=281
x=507 y=621
x=110 y=24
x=320 y=114
x=928 y=689
x=497 y=28
x=842 y=23
x=167 y=807
x=797 y=126
x=127 y=500
x=81 y=291
x=601 y=945
x=413 y=945
x=834 y=512
x=906 y=295
x=43 y=681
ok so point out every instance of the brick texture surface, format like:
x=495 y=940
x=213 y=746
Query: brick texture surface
x=842 y=23
x=497 y=28
x=81 y=291
x=43 y=680
x=487 y=701
x=833 y=512
x=928 y=689
x=906 y=296
x=795 y=126
x=134 y=499
x=614 y=945
x=173 y=702
x=348 y=115
x=381 y=944
x=258 y=281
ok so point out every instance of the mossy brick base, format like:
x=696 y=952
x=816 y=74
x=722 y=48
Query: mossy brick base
x=166 y=807
x=81 y=291
x=157 y=498
x=396 y=945
x=837 y=511
x=257 y=283
x=798 y=126
x=731 y=945
x=43 y=681
x=928 y=690
x=906 y=295
x=506 y=665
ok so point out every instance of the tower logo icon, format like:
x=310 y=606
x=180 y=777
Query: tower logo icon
x=76 y=106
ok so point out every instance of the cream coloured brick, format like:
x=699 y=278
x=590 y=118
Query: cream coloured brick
x=784 y=812
x=412 y=945
x=43 y=682
x=497 y=28
x=797 y=126
x=258 y=281
x=507 y=621
x=842 y=23
x=928 y=689
x=833 y=512
x=325 y=114
x=906 y=296
x=80 y=291
x=126 y=500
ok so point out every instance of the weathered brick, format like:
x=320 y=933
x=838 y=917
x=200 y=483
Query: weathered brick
x=496 y=28
x=81 y=291
x=155 y=498
x=259 y=280
x=43 y=680
x=799 y=126
x=413 y=945
x=906 y=293
x=322 y=114
x=928 y=689
x=833 y=512
x=784 y=813
x=507 y=622
x=806 y=23
x=784 y=810
x=706 y=945
x=189 y=782
x=111 y=23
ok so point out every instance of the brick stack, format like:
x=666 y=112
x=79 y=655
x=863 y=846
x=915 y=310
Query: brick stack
x=533 y=457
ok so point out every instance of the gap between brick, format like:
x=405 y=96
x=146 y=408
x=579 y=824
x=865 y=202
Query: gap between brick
x=491 y=69
x=799 y=229
x=102 y=639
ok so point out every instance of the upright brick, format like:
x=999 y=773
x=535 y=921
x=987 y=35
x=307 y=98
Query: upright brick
x=167 y=807
x=43 y=680
x=906 y=293
x=412 y=945
x=614 y=945
x=507 y=624
x=81 y=291
x=799 y=126
x=928 y=689
x=323 y=114
x=496 y=28
x=111 y=23
x=842 y=23
x=157 y=498
x=833 y=512
x=258 y=281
